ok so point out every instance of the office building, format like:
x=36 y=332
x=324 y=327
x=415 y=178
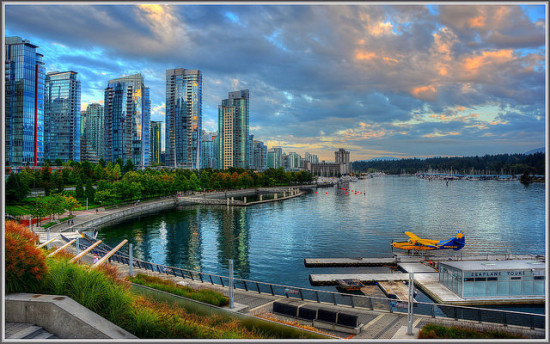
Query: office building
x=183 y=118
x=62 y=116
x=127 y=113
x=24 y=103
x=341 y=156
x=233 y=116
x=155 y=138
x=332 y=169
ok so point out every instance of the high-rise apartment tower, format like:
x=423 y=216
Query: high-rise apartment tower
x=183 y=118
x=24 y=103
x=62 y=116
x=233 y=129
x=127 y=114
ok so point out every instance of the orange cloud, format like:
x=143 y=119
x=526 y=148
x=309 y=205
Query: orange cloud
x=440 y=134
x=365 y=55
x=369 y=55
x=477 y=22
x=488 y=57
x=425 y=92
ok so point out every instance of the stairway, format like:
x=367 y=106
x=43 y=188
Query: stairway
x=27 y=331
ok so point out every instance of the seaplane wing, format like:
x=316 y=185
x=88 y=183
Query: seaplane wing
x=413 y=237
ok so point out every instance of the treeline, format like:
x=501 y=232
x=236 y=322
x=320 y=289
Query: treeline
x=119 y=182
x=488 y=164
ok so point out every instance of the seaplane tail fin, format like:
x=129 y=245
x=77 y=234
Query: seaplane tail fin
x=459 y=240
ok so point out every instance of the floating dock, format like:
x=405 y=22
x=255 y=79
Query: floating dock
x=395 y=290
x=331 y=279
x=402 y=259
x=322 y=262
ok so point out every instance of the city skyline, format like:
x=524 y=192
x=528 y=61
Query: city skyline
x=377 y=80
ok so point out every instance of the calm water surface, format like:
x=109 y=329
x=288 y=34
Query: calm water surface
x=269 y=242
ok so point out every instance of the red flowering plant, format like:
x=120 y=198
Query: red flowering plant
x=25 y=263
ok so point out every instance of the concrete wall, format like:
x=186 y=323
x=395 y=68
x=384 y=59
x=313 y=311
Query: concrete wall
x=62 y=316
x=128 y=213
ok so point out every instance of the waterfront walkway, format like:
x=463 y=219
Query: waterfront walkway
x=376 y=324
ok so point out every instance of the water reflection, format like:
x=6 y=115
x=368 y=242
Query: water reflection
x=233 y=239
x=269 y=242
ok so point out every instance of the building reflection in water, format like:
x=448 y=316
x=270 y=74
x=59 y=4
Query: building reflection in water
x=233 y=239
x=183 y=239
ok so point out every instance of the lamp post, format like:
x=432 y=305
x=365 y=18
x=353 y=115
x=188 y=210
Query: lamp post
x=410 y=308
x=231 y=304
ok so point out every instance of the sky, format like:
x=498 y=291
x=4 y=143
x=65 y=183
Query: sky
x=401 y=80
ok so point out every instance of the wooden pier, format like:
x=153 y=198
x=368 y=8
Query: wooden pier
x=322 y=262
x=331 y=279
x=397 y=290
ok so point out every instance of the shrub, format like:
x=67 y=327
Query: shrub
x=433 y=331
x=25 y=263
x=204 y=295
x=91 y=288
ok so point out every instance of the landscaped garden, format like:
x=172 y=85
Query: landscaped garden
x=104 y=292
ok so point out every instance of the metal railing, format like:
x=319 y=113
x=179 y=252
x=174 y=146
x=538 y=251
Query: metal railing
x=220 y=283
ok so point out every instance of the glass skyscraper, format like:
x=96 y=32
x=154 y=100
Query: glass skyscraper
x=234 y=149
x=156 y=134
x=62 y=117
x=260 y=156
x=183 y=118
x=24 y=103
x=94 y=133
x=208 y=157
x=127 y=114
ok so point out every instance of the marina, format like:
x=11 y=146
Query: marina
x=432 y=280
x=333 y=233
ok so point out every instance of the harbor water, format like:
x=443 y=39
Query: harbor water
x=269 y=242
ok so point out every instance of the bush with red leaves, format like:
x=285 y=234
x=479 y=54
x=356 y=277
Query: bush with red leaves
x=25 y=263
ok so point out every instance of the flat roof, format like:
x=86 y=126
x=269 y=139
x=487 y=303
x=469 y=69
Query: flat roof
x=477 y=265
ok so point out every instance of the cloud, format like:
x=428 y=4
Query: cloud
x=388 y=78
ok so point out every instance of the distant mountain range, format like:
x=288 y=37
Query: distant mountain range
x=538 y=150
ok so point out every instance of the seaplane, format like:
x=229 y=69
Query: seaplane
x=418 y=244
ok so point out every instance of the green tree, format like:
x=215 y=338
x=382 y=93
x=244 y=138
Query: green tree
x=194 y=183
x=16 y=188
x=129 y=166
x=79 y=188
x=105 y=196
x=117 y=171
x=98 y=172
x=57 y=203
x=58 y=181
x=40 y=208
x=71 y=203
x=46 y=179
x=90 y=191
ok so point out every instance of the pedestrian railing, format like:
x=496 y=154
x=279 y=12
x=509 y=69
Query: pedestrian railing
x=220 y=283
